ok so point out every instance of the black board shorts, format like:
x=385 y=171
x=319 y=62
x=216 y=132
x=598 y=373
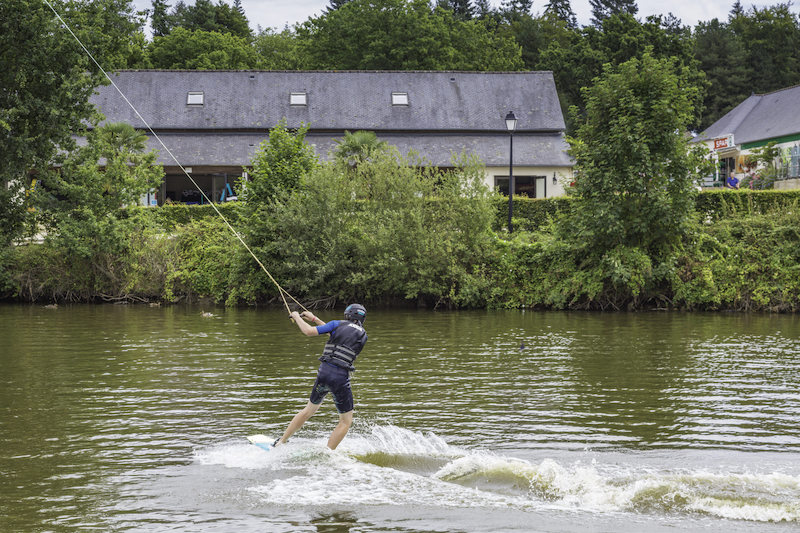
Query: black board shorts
x=336 y=380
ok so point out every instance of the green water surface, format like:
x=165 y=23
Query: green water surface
x=133 y=418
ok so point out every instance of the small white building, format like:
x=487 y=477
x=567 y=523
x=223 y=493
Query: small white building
x=213 y=121
x=760 y=119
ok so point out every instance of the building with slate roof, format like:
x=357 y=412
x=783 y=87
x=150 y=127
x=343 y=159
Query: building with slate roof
x=213 y=121
x=760 y=119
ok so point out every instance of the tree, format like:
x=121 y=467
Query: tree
x=720 y=56
x=279 y=50
x=562 y=9
x=356 y=148
x=389 y=228
x=513 y=9
x=201 y=50
x=279 y=165
x=578 y=57
x=770 y=38
x=403 y=35
x=204 y=15
x=46 y=82
x=483 y=10
x=462 y=9
x=336 y=4
x=159 y=19
x=602 y=9
x=111 y=171
x=535 y=34
x=635 y=171
x=81 y=205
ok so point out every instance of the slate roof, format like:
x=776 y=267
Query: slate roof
x=448 y=111
x=759 y=117
x=237 y=149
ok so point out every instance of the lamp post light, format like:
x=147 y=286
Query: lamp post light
x=511 y=125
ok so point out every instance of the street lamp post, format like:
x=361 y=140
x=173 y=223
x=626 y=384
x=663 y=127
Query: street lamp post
x=511 y=125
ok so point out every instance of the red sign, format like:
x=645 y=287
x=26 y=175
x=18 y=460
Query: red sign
x=723 y=142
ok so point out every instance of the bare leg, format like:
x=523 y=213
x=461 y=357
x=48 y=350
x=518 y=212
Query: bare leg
x=298 y=421
x=345 y=421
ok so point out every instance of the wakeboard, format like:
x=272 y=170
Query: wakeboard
x=262 y=441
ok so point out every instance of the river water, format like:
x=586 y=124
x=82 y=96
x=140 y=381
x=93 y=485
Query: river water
x=134 y=418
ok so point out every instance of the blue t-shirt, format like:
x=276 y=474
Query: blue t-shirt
x=328 y=326
x=733 y=182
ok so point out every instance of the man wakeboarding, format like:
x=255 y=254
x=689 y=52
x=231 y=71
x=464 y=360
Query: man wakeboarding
x=347 y=338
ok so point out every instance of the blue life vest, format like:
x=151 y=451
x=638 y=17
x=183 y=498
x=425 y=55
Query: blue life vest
x=345 y=344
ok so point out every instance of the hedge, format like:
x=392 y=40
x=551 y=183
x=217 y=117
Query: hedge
x=722 y=203
x=532 y=213
x=171 y=215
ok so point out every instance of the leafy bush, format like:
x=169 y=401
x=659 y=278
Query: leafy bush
x=715 y=205
x=746 y=263
x=279 y=165
x=387 y=229
x=206 y=249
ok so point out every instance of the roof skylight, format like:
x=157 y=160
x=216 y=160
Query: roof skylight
x=194 y=98
x=399 y=98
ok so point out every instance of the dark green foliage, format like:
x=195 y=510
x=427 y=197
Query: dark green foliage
x=159 y=18
x=46 y=81
x=201 y=50
x=204 y=15
x=770 y=37
x=514 y=9
x=462 y=9
x=403 y=35
x=714 y=205
x=336 y=4
x=746 y=263
x=207 y=251
x=279 y=165
x=635 y=184
x=279 y=50
x=721 y=58
x=169 y=217
x=87 y=248
x=531 y=214
x=603 y=9
x=577 y=57
x=615 y=247
x=385 y=230
x=356 y=148
x=123 y=258
x=562 y=10
x=756 y=51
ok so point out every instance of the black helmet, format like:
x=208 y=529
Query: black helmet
x=355 y=312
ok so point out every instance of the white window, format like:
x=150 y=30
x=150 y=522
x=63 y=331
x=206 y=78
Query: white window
x=399 y=98
x=298 y=99
x=194 y=98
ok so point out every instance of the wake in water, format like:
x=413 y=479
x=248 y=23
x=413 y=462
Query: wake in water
x=393 y=466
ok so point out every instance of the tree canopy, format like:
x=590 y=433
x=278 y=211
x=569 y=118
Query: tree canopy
x=201 y=50
x=403 y=35
x=202 y=15
x=635 y=172
x=46 y=81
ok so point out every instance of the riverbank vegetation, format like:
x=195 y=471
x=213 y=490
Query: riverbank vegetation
x=380 y=226
x=389 y=230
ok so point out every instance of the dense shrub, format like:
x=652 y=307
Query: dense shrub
x=170 y=216
x=745 y=263
x=725 y=203
x=386 y=229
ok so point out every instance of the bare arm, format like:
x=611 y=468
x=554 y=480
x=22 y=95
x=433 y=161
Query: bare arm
x=306 y=328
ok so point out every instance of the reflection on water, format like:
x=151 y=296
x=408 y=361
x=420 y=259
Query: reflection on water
x=334 y=523
x=124 y=417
